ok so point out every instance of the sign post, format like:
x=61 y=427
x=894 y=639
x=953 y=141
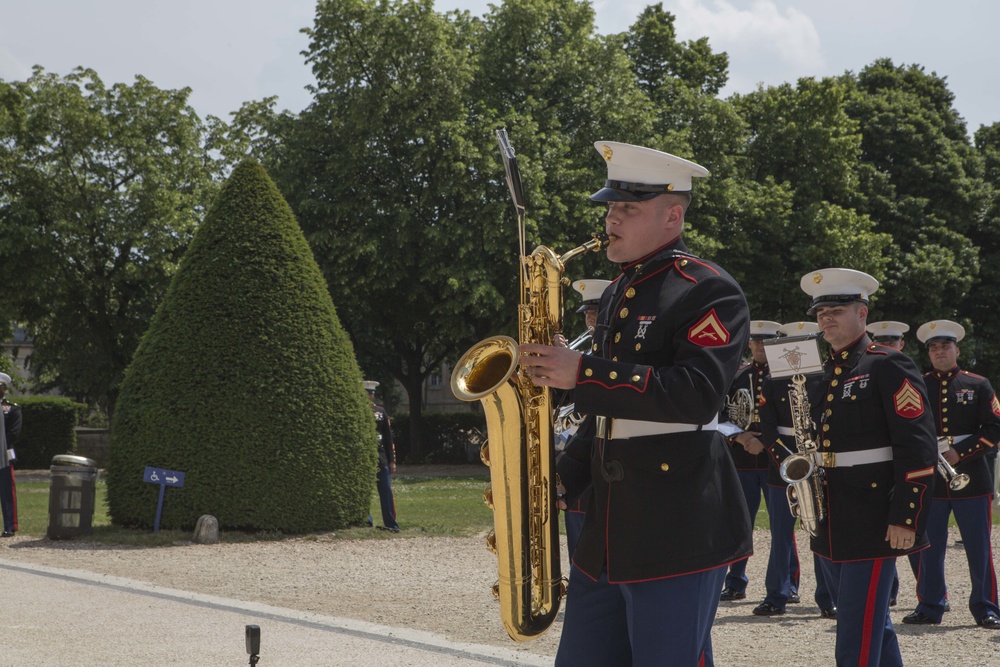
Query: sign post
x=164 y=478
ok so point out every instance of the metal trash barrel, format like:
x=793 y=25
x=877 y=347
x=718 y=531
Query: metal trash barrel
x=71 y=496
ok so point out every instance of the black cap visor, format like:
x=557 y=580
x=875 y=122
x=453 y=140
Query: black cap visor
x=833 y=300
x=624 y=191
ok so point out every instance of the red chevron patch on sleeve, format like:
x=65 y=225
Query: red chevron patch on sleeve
x=908 y=402
x=709 y=331
x=995 y=404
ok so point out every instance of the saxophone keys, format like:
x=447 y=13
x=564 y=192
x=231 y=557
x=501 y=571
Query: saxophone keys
x=491 y=541
x=488 y=497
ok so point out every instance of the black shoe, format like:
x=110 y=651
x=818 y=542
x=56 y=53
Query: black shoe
x=892 y=602
x=767 y=609
x=391 y=530
x=730 y=594
x=919 y=618
x=7 y=533
x=989 y=621
x=793 y=597
x=829 y=613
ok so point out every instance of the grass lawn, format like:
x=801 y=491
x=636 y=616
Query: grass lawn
x=434 y=507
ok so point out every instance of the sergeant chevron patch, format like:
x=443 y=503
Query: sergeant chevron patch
x=709 y=331
x=908 y=402
x=995 y=404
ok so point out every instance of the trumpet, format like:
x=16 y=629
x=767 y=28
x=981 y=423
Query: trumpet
x=581 y=339
x=956 y=480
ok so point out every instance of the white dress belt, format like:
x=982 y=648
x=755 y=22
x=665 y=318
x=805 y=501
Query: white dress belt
x=623 y=429
x=850 y=459
x=946 y=442
x=786 y=430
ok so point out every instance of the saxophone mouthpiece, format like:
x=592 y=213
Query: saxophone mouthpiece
x=602 y=240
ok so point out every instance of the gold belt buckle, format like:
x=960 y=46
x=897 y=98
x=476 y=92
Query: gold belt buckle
x=601 y=426
x=828 y=459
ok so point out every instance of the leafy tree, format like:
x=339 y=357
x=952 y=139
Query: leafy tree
x=395 y=175
x=983 y=350
x=800 y=142
x=246 y=382
x=100 y=190
x=921 y=181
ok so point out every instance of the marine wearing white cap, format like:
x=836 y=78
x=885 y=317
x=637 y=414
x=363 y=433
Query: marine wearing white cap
x=636 y=173
x=887 y=331
x=370 y=385
x=940 y=330
x=5 y=380
x=591 y=291
x=835 y=287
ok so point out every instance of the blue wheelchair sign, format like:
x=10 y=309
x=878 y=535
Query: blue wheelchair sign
x=164 y=478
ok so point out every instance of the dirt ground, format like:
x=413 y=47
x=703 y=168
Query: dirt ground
x=443 y=585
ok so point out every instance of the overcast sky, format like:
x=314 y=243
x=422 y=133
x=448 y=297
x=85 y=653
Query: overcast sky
x=232 y=51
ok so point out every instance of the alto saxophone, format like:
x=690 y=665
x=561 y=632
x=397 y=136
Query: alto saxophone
x=520 y=450
x=800 y=471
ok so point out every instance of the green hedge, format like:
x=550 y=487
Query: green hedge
x=47 y=429
x=448 y=436
x=247 y=382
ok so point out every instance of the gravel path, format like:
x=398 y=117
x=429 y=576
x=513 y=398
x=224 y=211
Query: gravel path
x=442 y=585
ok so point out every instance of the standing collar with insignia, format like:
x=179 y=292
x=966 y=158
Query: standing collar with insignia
x=849 y=355
x=664 y=252
x=947 y=375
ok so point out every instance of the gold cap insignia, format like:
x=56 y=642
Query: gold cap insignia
x=608 y=153
x=801 y=325
x=933 y=325
x=670 y=187
x=817 y=278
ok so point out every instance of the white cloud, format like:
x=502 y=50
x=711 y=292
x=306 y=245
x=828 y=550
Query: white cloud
x=754 y=33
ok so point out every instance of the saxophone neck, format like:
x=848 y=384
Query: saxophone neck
x=595 y=244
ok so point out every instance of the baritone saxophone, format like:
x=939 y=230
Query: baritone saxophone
x=520 y=448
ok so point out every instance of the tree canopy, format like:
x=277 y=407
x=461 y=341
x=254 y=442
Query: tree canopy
x=100 y=190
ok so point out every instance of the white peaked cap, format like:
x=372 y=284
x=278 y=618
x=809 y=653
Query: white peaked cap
x=636 y=173
x=764 y=329
x=943 y=329
x=370 y=385
x=888 y=329
x=799 y=328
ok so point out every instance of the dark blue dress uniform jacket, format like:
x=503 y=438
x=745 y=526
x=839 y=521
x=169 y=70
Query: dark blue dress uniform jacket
x=750 y=377
x=669 y=339
x=965 y=404
x=872 y=397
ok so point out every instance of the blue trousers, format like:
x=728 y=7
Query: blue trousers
x=574 y=524
x=648 y=624
x=865 y=637
x=383 y=482
x=783 y=564
x=753 y=483
x=8 y=501
x=974 y=519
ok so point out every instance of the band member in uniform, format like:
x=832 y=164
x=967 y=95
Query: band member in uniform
x=967 y=414
x=386 y=462
x=777 y=435
x=890 y=334
x=749 y=456
x=10 y=431
x=877 y=450
x=576 y=507
x=652 y=556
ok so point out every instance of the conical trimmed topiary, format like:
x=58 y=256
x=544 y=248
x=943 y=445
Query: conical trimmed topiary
x=246 y=382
